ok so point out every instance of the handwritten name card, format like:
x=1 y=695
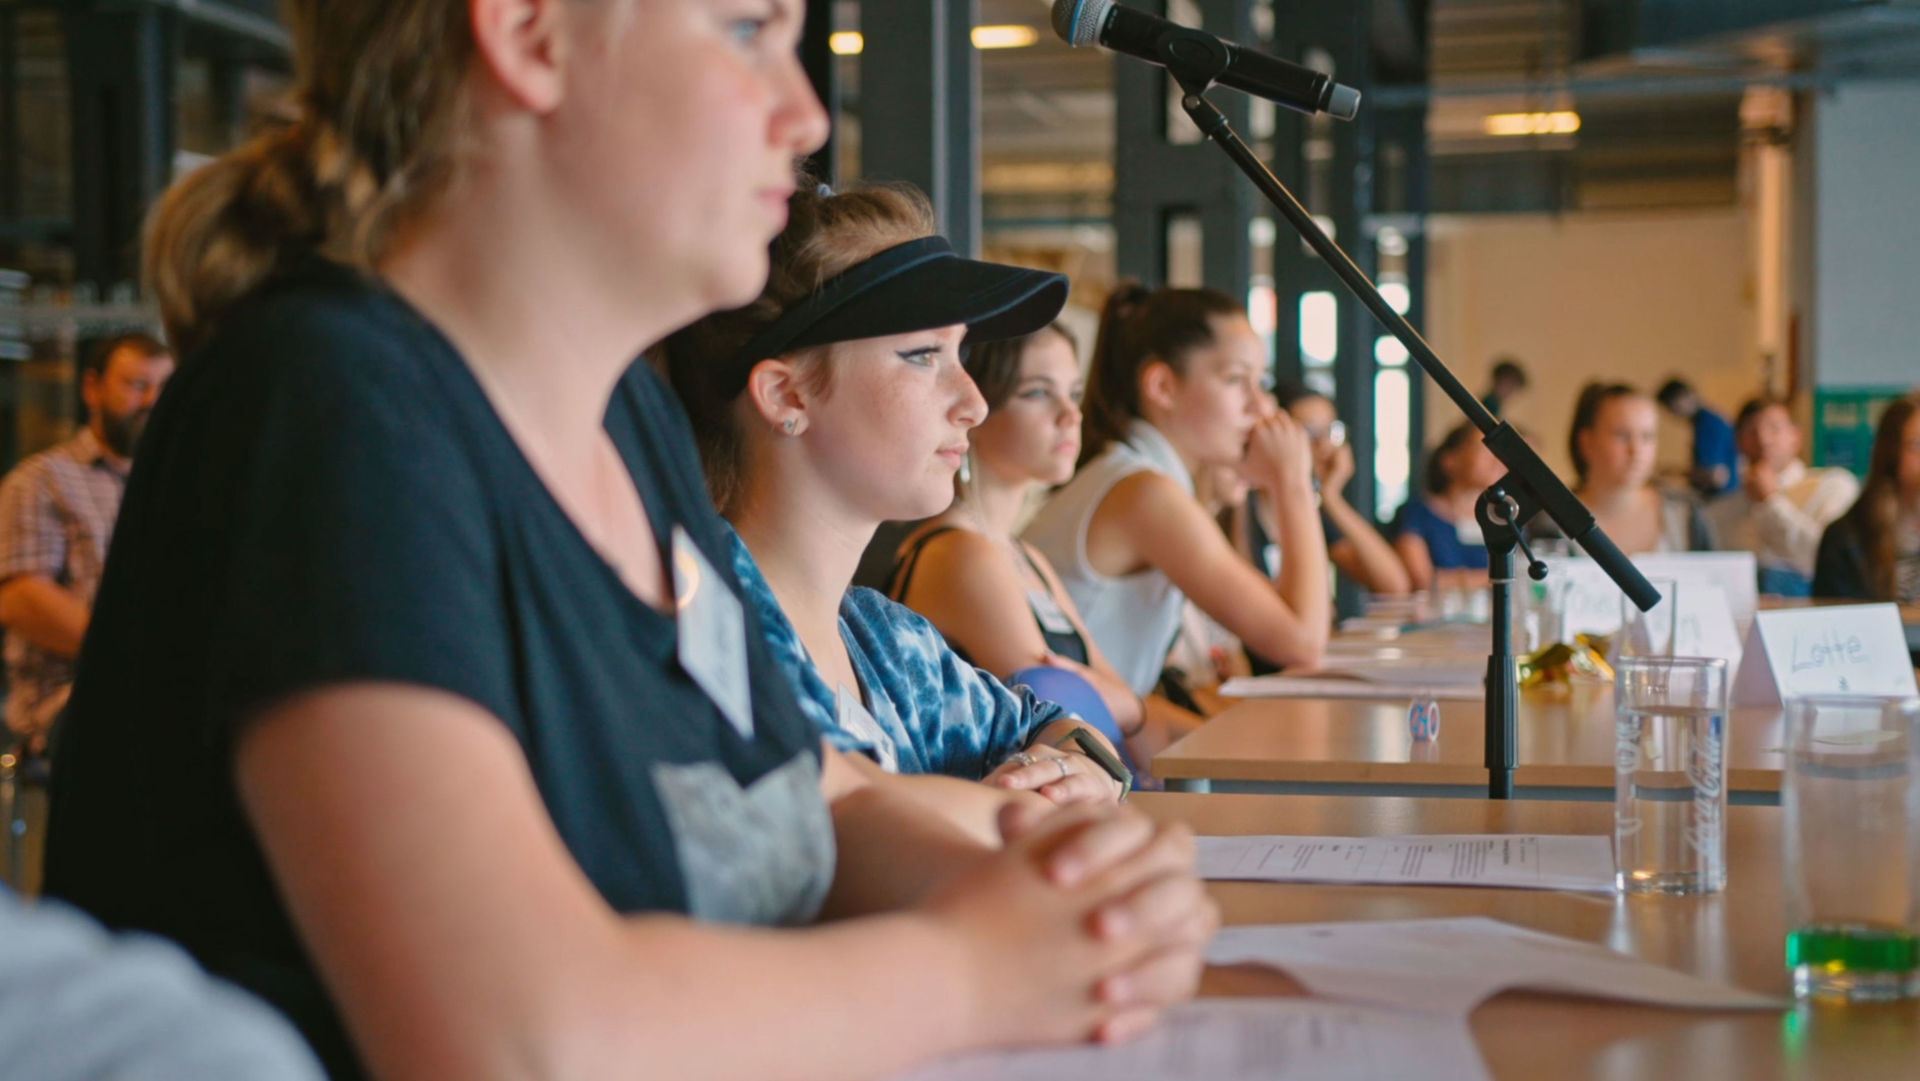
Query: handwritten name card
x=1844 y=649
x=1591 y=602
x=1704 y=626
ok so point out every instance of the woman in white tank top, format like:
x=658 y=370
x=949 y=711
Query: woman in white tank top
x=1175 y=386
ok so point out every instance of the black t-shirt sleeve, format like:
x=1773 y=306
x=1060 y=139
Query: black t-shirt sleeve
x=362 y=547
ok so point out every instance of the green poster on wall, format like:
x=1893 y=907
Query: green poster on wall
x=1843 y=423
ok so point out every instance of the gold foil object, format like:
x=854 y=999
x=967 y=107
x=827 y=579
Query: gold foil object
x=1559 y=663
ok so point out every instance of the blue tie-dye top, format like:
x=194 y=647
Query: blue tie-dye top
x=934 y=712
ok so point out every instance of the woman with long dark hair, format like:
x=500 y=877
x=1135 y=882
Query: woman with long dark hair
x=1872 y=552
x=996 y=597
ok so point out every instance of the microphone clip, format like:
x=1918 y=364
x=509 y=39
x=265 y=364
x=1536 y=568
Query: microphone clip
x=1195 y=59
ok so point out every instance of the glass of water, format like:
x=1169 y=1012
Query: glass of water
x=1850 y=805
x=1649 y=633
x=1670 y=773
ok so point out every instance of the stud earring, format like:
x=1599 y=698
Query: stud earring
x=966 y=467
x=788 y=425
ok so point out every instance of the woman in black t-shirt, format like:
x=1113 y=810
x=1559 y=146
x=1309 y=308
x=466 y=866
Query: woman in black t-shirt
x=418 y=696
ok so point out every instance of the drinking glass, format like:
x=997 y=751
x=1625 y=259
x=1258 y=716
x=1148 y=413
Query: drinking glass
x=1670 y=770
x=1850 y=806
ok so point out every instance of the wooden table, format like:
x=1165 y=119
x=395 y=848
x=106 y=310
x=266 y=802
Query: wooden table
x=1734 y=937
x=1361 y=747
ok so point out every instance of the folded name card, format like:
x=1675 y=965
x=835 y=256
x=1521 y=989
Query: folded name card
x=1844 y=649
x=1705 y=579
x=1704 y=626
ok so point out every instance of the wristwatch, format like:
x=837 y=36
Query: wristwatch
x=1091 y=745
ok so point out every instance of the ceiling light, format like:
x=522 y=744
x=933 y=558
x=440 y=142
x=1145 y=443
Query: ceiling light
x=1015 y=36
x=1555 y=123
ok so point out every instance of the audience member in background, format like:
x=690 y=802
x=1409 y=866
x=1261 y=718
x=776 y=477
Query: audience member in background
x=1354 y=543
x=57 y=511
x=1508 y=380
x=1436 y=533
x=77 y=1004
x=1716 y=461
x=1872 y=552
x=994 y=597
x=1781 y=507
x=1614 y=443
x=418 y=696
x=837 y=401
x=1175 y=386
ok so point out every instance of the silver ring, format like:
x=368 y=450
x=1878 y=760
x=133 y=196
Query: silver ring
x=1065 y=771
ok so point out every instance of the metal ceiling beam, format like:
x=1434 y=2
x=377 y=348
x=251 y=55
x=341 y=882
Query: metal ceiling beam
x=121 y=64
x=1619 y=86
x=257 y=21
x=823 y=71
x=1158 y=182
x=925 y=127
x=1398 y=29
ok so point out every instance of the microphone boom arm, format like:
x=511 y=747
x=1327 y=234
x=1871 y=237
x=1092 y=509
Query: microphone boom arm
x=1528 y=487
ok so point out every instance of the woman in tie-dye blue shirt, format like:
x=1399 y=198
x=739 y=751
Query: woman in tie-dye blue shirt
x=931 y=711
x=838 y=401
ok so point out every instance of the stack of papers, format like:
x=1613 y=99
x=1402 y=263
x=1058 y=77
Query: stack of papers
x=1401 y=992
x=1451 y=966
x=1545 y=862
x=1436 y=677
x=1373 y=670
x=1250 y=1039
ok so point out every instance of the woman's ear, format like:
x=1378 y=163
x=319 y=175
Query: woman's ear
x=522 y=44
x=1159 y=384
x=780 y=395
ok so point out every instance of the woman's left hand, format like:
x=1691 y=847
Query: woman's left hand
x=1061 y=776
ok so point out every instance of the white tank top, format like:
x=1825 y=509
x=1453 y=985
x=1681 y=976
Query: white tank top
x=1132 y=618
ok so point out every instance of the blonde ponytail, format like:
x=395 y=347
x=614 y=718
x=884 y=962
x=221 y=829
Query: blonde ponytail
x=381 y=90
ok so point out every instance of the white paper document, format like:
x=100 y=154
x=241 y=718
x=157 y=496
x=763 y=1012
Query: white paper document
x=1250 y=1039
x=1450 y=966
x=1345 y=687
x=1535 y=862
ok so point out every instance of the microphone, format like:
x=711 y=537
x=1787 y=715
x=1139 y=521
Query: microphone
x=1158 y=41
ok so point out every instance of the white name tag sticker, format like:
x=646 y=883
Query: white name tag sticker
x=1845 y=649
x=854 y=719
x=1052 y=618
x=712 y=632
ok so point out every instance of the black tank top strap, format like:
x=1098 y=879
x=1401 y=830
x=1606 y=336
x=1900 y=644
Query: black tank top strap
x=1034 y=563
x=1063 y=643
x=1067 y=644
x=902 y=577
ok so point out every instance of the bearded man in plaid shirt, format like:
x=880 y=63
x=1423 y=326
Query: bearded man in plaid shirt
x=57 y=510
